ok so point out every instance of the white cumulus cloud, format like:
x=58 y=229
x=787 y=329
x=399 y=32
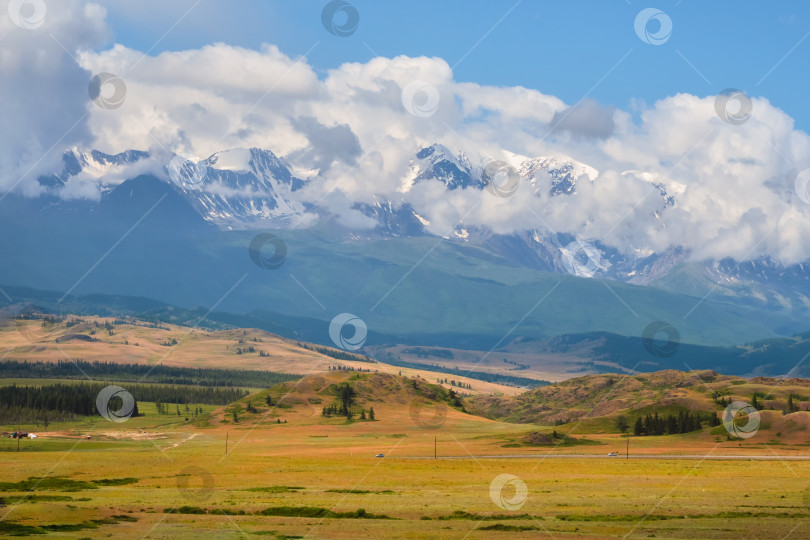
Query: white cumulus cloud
x=45 y=98
x=732 y=184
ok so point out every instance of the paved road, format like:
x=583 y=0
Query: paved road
x=604 y=456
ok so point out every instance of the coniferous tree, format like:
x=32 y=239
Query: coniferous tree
x=638 y=428
x=346 y=396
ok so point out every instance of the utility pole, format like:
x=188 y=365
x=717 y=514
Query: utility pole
x=434 y=447
x=627 y=454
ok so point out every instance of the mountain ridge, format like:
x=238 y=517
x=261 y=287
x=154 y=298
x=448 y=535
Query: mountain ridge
x=594 y=351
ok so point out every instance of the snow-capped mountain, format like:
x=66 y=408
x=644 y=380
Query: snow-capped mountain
x=248 y=188
x=233 y=189
x=456 y=171
x=436 y=162
x=564 y=173
x=240 y=188
x=99 y=162
x=537 y=248
x=104 y=170
x=254 y=188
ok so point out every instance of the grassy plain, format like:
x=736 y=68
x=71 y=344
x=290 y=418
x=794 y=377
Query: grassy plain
x=290 y=472
x=318 y=472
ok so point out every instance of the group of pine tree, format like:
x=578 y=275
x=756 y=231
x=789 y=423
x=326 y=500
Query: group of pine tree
x=343 y=406
x=453 y=382
x=251 y=409
x=163 y=408
x=338 y=367
x=758 y=402
x=670 y=424
x=62 y=401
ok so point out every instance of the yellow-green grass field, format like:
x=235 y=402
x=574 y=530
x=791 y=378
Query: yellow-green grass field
x=290 y=472
x=314 y=475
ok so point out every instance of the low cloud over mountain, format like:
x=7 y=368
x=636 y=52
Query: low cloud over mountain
x=728 y=190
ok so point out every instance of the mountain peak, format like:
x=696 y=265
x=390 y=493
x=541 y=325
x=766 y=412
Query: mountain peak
x=236 y=159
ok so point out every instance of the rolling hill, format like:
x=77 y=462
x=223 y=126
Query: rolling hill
x=593 y=403
x=42 y=337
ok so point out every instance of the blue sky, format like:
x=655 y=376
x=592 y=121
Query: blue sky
x=559 y=48
x=356 y=113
